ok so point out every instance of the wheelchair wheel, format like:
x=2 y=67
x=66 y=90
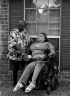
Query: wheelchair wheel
x=55 y=83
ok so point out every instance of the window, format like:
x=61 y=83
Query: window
x=42 y=16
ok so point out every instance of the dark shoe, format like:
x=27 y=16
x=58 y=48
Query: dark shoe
x=23 y=88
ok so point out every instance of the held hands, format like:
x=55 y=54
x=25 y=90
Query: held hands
x=29 y=56
x=26 y=57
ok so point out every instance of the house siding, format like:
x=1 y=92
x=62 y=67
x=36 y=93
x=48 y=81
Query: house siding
x=65 y=35
x=15 y=12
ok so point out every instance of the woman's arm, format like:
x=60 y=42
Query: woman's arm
x=52 y=50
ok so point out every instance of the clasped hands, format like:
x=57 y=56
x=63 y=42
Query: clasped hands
x=26 y=57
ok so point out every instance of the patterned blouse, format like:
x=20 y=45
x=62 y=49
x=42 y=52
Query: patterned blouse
x=19 y=38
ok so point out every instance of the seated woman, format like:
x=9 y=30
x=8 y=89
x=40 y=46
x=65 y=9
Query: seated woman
x=38 y=51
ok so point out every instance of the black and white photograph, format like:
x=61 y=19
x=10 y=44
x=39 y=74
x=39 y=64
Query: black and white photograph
x=34 y=47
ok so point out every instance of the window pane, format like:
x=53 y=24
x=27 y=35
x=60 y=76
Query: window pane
x=54 y=31
x=54 y=22
x=54 y=25
x=54 y=3
x=42 y=3
x=42 y=27
x=30 y=15
x=30 y=4
x=54 y=15
x=42 y=17
x=31 y=28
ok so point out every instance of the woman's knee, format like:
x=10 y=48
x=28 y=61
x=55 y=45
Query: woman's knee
x=31 y=65
x=41 y=64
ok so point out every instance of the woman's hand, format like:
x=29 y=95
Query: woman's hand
x=26 y=57
x=29 y=56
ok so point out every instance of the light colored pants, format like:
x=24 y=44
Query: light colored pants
x=33 y=67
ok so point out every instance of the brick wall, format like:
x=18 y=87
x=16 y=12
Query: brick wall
x=4 y=30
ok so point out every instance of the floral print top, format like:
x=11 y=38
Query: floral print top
x=16 y=37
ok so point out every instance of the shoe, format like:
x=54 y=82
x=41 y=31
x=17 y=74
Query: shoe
x=30 y=87
x=18 y=86
x=23 y=88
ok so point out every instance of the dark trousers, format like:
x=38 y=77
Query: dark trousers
x=15 y=66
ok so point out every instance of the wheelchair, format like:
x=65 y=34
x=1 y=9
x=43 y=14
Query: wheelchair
x=48 y=77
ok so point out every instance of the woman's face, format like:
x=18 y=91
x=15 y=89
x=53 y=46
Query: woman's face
x=41 y=38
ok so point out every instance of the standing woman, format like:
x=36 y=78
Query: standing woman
x=16 y=46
